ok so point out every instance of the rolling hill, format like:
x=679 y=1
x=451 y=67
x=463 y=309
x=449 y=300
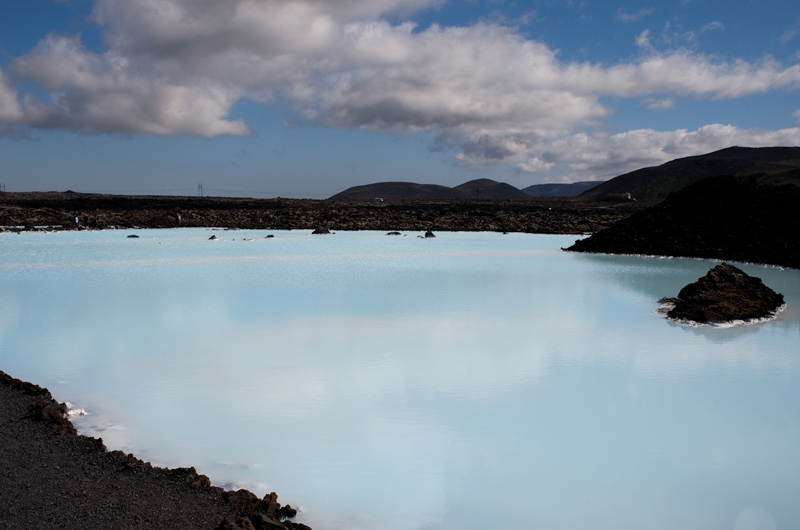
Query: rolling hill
x=764 y=165
x=480 y=189
x=558 y=190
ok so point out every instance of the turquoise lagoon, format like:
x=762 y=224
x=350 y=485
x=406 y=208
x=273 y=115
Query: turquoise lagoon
x=471 y=381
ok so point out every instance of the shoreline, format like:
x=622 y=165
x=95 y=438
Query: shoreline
x=546 y=216
x=51 y=476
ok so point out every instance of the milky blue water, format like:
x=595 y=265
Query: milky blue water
x=472 y=381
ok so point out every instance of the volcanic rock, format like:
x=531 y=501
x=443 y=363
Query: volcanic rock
x=725 y=294
x=719 y=218
x=52 y=477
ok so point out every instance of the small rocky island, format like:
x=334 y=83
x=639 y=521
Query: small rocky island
x=725 y=294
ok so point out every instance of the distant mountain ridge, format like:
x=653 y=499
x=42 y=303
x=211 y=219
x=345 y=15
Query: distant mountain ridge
x=479 y=189
x=561 y=189
x=651 y=185
x=764 y=165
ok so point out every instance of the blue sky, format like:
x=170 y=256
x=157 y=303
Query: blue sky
x=305 y=98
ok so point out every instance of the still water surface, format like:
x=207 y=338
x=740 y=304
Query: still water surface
x=473 y=381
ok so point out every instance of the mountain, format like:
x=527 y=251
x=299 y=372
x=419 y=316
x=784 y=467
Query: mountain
x=473 y=190
x=489 y=189
x=398 y=190
x=560 y=190
x=766 y=165
x=721 y=217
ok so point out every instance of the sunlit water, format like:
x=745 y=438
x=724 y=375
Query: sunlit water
x=471 y=381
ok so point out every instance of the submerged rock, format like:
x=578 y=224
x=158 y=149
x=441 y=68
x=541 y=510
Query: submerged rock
x=321 y=230
x=725 y=294
x=429 y=235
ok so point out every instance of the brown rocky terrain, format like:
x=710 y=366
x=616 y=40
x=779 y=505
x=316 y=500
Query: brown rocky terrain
x=59 y=210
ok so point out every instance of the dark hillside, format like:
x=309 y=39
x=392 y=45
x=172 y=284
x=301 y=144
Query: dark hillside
x=719 y=217
x=481 y=189
x=767 y=165
x=560 y=190
x=487 y=189
x=399 y=191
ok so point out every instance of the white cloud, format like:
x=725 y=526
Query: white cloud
x=633 y=17
x=643 y=40
x=790 y=33
x=713 y=26
x=661 y=104
x=177 y=67
x=796 y=115
x=591 y=157
x=94 y=94
x=683 y=73
x=10 y=110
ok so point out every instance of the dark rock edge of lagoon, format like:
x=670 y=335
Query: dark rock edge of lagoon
x=720 y=218
x=52 y=477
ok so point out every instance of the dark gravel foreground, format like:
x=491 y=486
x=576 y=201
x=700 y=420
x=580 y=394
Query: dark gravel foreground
x=53 y=478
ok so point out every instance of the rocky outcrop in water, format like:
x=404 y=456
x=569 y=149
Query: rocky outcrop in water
x=725 y=294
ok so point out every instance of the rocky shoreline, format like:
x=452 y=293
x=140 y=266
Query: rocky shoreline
x=59 y=211
x=52 y=477
x=716 y=218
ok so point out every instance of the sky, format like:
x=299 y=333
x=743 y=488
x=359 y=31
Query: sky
x=306 y=98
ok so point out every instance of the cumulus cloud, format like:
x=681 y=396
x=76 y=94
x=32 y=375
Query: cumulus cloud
x=93 y=93
x=177 y=67
x=599 y=156
x=10 y=110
